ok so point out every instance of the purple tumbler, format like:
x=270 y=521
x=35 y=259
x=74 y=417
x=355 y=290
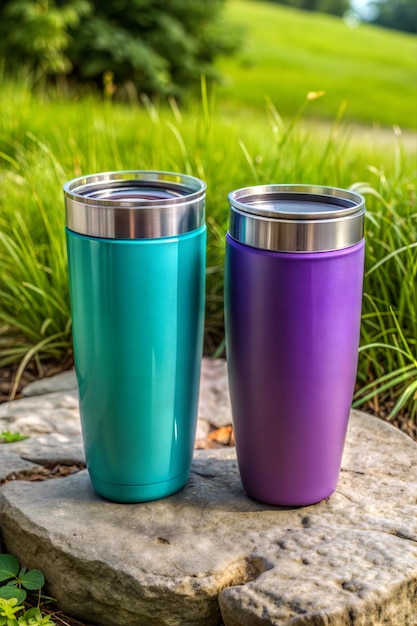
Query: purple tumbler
x=293 y=294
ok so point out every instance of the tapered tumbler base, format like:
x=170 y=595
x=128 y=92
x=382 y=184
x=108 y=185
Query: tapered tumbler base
x=284 y=499
x=139 y=493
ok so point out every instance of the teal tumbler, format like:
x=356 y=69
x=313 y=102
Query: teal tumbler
x=136 y=258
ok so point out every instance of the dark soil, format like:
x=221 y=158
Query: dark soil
x=402 y=421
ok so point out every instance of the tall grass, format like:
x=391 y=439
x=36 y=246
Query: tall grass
x=34 y=312
x=388 y=355
x=44 y=141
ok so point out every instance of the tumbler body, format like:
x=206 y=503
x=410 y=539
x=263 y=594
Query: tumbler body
x=292 y=330
x=138 y=316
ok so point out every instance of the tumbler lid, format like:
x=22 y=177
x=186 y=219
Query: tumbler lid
x=134 y=204
x=296 y=218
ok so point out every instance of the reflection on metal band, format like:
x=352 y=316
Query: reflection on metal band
x=296 y=218
x=135 y=204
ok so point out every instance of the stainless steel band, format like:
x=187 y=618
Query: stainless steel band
x=296 y=236
x=134 y=204
x=296 y=218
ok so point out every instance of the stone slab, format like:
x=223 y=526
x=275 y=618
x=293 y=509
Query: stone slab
x=214 y=401
x=209 y=553
x=48 y=450
x=52 y=412
x=65 y=381
x=11 y=463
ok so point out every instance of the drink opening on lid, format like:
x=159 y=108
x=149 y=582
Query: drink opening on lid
x=135 y=204
x=289 y=206
x=296 y=218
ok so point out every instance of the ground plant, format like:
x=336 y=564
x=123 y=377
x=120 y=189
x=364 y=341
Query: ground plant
x=49 y=137
x=7 y=437
x=18 y=581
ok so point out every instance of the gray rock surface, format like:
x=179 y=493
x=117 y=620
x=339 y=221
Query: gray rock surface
x=210 y=553
x=48 y=450
x=65 y=381
x=11 y=463
x=52 y=412
x=214 y=403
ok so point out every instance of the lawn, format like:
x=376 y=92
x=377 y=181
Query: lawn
x=288 y=53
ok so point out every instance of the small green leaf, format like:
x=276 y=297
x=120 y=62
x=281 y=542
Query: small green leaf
x=33 y=580
x=8 y=609
x=8 y=592
x=34 y=617
x=47 y=621
x=46 y=599
x=8 y=437
x=42 y=621
x=9 y=566
x=33 y=613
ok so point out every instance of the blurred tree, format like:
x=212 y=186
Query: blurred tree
x=335 y=7
x=162 y=46
x=397 y=14
x=159 y=46
x=35 y=33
